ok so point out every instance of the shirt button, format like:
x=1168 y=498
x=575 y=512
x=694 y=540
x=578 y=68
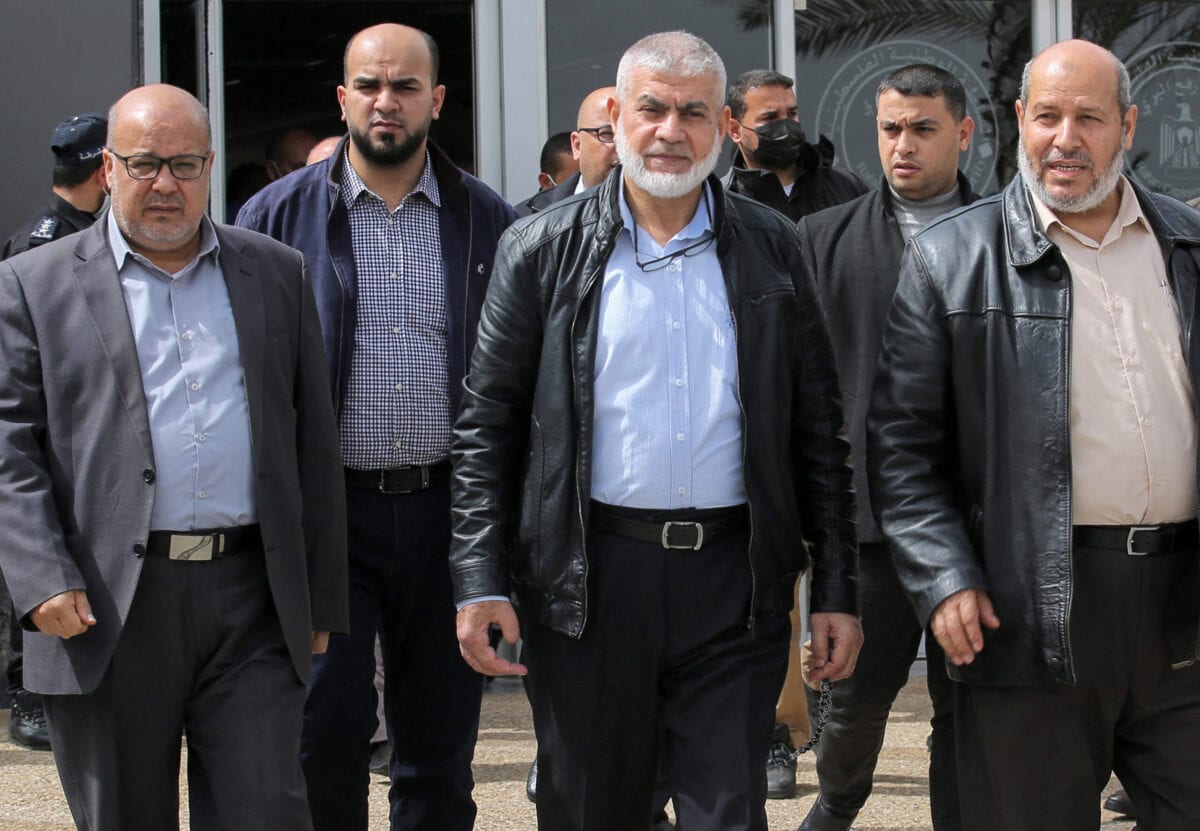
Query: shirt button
x=681 y=490
x=394 y=276
x=675 y=325
x=1133 y=361
x=398 y=443
x=400 y=386
x=201 y=437
x=679 y=436
x=1118 y=305
x=395 y=330
x=1158 y=480
x=1147 y=421
x=195 y=385
x=202 y=494
x=679 y=382
x=186 y=336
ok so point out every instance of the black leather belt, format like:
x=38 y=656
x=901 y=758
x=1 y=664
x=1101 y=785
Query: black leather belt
x=395 y=480
x=670 y=529
x=1140 y=540
x=201 y=546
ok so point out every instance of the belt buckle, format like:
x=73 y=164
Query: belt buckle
x=198 y=547
x=1133 y=529
x=666 y=530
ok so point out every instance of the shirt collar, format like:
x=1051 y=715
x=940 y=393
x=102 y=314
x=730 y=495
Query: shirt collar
x=1129 y=212
x=353 y=186
x=122 y=252
x=700 y=223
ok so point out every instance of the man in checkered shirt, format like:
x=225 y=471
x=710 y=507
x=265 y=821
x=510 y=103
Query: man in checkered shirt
x=400 y=243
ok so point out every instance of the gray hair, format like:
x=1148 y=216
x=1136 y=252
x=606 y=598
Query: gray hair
x=1124 y=93
x=673 y=53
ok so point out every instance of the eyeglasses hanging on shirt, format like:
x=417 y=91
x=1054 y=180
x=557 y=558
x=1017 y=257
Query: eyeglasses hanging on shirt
x=701 y=245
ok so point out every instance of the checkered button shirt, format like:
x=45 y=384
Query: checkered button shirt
x=396 y=409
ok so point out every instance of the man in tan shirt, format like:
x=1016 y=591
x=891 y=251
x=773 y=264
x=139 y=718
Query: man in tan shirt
x=1033 y=464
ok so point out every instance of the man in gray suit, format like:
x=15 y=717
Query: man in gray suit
x=170 y=492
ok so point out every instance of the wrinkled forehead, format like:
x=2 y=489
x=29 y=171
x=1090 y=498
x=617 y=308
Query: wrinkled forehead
x=675 y=90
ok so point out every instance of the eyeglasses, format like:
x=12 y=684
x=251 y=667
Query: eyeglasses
x=702 y=244
x=690 y=250
x=602 y=134
x=144 y=166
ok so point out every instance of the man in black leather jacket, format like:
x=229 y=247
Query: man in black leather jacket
x=773 y=162
x=649 y=449
x=1033 y=460
x=853 y=252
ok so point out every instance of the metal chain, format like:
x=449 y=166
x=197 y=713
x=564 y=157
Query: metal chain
x=823 y=708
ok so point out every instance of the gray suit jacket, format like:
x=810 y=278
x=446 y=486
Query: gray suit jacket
x=76 y=464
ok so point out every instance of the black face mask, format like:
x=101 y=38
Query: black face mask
x=779 y=144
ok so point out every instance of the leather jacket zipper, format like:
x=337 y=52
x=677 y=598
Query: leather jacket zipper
x=583 y=537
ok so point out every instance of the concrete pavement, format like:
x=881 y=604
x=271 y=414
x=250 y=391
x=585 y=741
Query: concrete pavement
x=31 y=799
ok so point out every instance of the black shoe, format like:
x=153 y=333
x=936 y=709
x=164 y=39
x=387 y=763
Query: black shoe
x=27 y=723
x=821 y=818
x=1119 y=803
x=531 y=782
x=381 y=758
x=781 y=767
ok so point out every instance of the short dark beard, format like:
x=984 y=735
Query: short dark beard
x=390 y=154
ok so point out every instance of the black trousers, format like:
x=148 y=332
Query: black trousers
x=400 y=590
x=1037 y=759
x=201 y=654
x=849 y=747
x=666 y=663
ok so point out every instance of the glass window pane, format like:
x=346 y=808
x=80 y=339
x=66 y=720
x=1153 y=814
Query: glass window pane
x=1160 y=44
x=584 y=42
x=845 y=47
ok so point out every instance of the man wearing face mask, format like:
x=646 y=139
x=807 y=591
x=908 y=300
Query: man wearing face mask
x=773 y=162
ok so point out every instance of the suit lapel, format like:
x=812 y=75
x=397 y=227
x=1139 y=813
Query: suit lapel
x=96 y=275
x=243 y=283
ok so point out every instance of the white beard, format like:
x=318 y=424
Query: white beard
x=664 y=185
x=1102 y=187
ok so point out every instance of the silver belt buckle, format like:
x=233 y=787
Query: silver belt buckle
x=666 y=543
x=197 y=547
x=1133 y=529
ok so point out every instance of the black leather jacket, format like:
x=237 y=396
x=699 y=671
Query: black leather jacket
x=523 y=444
x=969 y=428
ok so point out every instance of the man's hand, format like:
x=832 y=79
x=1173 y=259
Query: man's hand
x=956 y=624
x=836 y=640
x=473 y=624
x=65 y=615
x=320 y=642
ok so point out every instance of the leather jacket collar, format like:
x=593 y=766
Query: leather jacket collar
x=1028 y=243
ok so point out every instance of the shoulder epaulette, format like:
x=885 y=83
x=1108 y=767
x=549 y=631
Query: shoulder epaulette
x=44 y=230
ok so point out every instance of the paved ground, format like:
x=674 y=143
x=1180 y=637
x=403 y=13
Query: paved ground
x=30 y=798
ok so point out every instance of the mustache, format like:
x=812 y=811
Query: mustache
x=669 y=149
x=389 y=122
x=1056 y=155
x=160 y=201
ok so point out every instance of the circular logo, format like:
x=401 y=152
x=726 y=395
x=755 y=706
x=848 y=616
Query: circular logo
x=846 y=112
x=1166 y=145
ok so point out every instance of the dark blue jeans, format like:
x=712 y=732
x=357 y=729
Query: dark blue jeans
x=400 y=588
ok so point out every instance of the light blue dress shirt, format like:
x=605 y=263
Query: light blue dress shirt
x=668 y=426
x=195 y=392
